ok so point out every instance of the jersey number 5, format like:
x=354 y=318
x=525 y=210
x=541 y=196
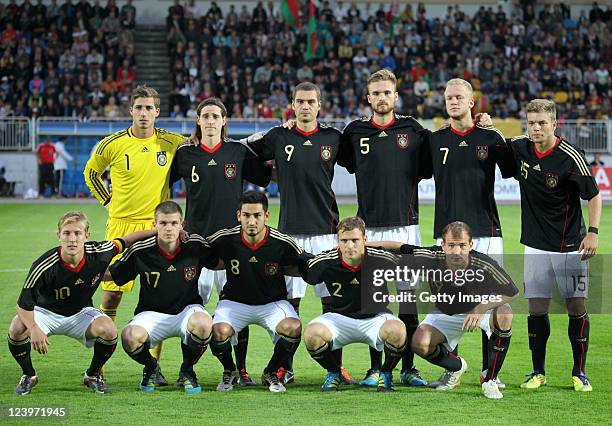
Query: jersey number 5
x=364 y=145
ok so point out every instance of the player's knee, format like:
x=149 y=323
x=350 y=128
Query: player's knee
x=17 y=329
x=503 y=317
x=200 y=324
x=538 y=306
x=133 y=337
x=576 y=306
x=394 y=332
x=291 y=327
x=314 y=335
x=111 y=299
x=421 y=342
x=104 y=327
x=222 y=331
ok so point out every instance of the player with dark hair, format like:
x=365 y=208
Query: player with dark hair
x=213 y=168
x=553 y=177
x=140 y=158
x=56 y=300
x=463 y=158
x=169 y=304
x=472 y=291
x=347 y=321
x=305 y=156
x=255 y=256
x=385 y=151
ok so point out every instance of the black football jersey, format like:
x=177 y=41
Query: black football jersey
x=463 y=166
x=552 y=184
x=255 y=274
x=486 y=279
x=386 y=161
x=56 y=286
x=350 y=295
x=213 y=179
x=305 y=166
x=168 y=282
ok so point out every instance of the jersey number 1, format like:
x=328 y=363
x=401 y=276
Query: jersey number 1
x=127 y=161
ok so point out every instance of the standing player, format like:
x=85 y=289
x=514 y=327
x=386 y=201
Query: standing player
x=347 y=321
x=213 y=169
x=384 y=151
x=305 y=156
x=254 y=256
x=463 y=160
x=56 y=300
x=140 y=158
x=553 y=176
x=169 y=304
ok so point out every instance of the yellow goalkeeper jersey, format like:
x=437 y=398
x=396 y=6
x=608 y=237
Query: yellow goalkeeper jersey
x=139 y=172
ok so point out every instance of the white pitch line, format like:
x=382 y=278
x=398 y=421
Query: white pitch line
x=13 y=270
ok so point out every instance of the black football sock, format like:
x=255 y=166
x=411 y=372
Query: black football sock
x=223 y=351
x=578 y=332
x=485 y=349
x=285 y=346
x=21 y=351
x=538 y=329
x=393 y=355
x=193 y=350
x=103 y=349
x=445 y=359
x=411 y=321
x=498 y=349
x=240 y=350
x=325 y=357
x=375 y=359
x=142 y=356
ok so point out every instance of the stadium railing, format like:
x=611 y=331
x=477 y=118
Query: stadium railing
x=16 y=134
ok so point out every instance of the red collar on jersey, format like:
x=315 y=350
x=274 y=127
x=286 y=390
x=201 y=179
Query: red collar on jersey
x=169 y=256
x=468 y=131
x=70 y=268
x=548 y=151
x=213 y=149
x=256 y=246
x=302 y=132
x=347 y=266
x=385 y=126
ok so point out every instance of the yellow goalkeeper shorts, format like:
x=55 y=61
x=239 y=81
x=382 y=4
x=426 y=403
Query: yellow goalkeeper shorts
x=117 y=228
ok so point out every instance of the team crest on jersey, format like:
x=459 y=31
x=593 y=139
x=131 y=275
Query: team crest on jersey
x=162 y=158
x=271 y=268
x=402 y=140
x=482 y=152
x=230 y=171
x=552 y=180
x=190 y=272
x=326 y=153
x=96 y=278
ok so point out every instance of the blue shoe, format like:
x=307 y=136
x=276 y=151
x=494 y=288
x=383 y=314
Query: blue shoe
x=385 y=382
x=331 y=383
x=370 y=379
x=412 y=378
x=190 y=381
x=148 y=379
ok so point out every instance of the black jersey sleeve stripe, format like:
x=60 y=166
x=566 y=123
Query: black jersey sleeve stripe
x=494 y=129
x=104 y=143
x=40 y=269
x=382 y=254
x=223 y=232
x=101 y=247
x=321 y=257
x=493 y=270
x=140 y=245
x=98 y=186
x=283 y=237
x=577 y=157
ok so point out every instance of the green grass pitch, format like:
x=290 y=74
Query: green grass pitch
x=27 y=230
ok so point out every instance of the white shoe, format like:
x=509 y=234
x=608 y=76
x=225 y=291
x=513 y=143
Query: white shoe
x=500 y=384
x=490 y=390
x=228 y=380
x=452 y=379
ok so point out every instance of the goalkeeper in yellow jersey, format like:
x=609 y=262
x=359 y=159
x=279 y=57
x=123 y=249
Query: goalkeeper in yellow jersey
x=139 y=158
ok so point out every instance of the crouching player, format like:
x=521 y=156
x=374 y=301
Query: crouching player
x=56 y=300
x=347 y=321
x=255 y=256
x=471 y=291
x=169 y=304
